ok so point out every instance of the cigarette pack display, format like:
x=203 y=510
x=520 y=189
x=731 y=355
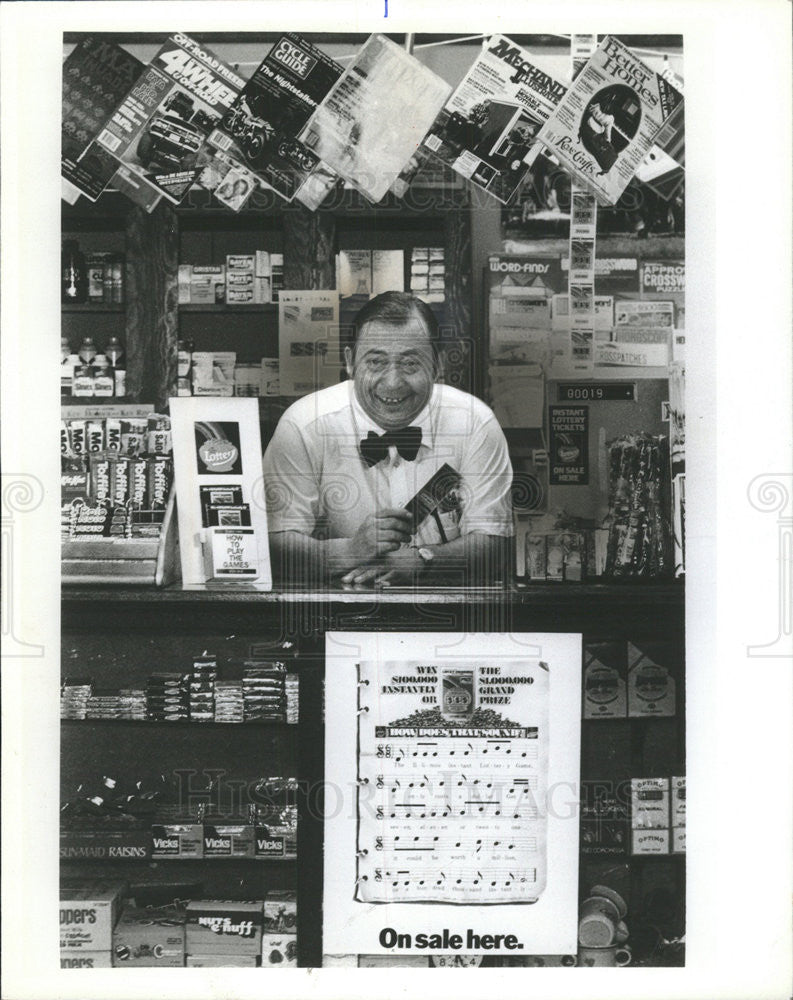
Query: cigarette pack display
x=149 y=937
x=650 y=842
x=651 y=688
x=239 y=296
x=650 y=803
x=88 y=912
x=277 y=277
x=678 y=802
x=279 y=950
x=605 y=694
x=270 y=378
x=223 y=927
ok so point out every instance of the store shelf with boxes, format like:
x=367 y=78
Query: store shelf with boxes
x=183 y=777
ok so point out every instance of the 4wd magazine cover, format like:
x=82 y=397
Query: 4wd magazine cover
x=161 y=125
x=96 y=75
x=488 y=129
x=260 y=131
x=609 y=119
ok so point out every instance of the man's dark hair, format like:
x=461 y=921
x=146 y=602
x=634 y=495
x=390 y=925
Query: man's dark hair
x=397 y=309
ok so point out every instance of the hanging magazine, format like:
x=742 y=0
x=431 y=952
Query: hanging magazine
x=488 y=129
x=373 y=121
x=611 y=116
x=161 y=126
x=260 y=130
x=96 y=75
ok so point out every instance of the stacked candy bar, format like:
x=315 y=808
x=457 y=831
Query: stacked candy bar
x=229 y=703
x=75 y=693
x=292 y=689
x=263 y=691
x=132 y=704
x=201 y=688
x=165 y=697
x=103 y=704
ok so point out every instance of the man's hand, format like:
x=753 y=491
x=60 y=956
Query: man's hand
x=380 y=534
x=400 y=566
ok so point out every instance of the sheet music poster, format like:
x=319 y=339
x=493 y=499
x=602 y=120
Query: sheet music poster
x=454 y=741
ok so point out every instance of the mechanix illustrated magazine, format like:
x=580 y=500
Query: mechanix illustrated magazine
x=611 y=116
x=488 y=129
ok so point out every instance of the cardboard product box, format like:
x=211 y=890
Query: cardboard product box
x=222 y=961
x=271 y=384
x=650 y=842
x=554 y=557
x=536 y=557
x=354 y=272
x=650 y=803
x=207 y=283
x=86 y=959
x=88 y=912
x=388 y=271
x=651 y=687
x=240 y=263
x=213 y=373
x=105 y=844
x=227 y=840
x=605 y=690
x=261 y=264
x=604 y=820
x=678 y=801
x=177 y=840
x=236 y=296
x=152 y=938
x=280 y=912
x=277 y=274
x=262 y=293
x=279 y=951
x=183 y=283
x=679 y=840
x=224 y=927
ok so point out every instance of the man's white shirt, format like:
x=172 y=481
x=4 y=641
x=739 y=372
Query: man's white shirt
x=317 y=483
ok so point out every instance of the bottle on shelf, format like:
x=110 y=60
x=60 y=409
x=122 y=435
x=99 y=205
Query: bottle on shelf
x=104 y=380
x=87 y=350
x=114 y=352
x=74 y=273
x=115 y=355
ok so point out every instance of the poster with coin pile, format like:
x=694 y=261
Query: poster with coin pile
x=456 y=843
x=608 y=121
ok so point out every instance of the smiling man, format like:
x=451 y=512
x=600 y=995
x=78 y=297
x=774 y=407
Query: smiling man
x=390 y=476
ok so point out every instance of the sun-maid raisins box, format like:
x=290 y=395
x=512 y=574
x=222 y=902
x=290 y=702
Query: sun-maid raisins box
x=88 y=912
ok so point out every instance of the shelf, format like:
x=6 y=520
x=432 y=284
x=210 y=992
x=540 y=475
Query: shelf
x=92 y=307
x=198 y=726
x=254 y=308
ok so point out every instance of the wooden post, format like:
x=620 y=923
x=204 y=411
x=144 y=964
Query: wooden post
x=309 y=248
x=462 y=349
x=152 y=320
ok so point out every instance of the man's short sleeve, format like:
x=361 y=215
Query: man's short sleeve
x=291 y=483
x=486 y=481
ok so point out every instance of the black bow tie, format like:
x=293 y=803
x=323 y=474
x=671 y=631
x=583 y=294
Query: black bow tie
x=374 y=447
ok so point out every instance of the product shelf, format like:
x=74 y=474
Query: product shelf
x=93 y=307
x=222 y=307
